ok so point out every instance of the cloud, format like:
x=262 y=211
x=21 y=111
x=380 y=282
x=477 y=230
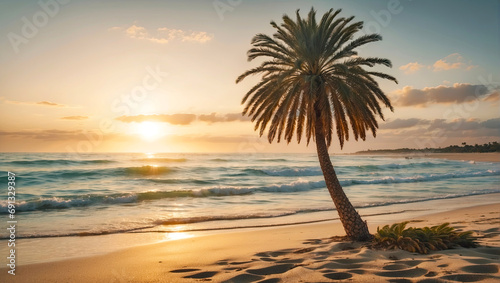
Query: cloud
x=40 y=103
x=491 y=123
x=184 y=119
x=451 y=62
x=212 y=138
x=403 y=123
x=493 y=97
x=76 y=118
x=411 y=68
x=458 y=93
x=174 y=119
x=47 y=103
x=456 y=124
x=212 y=118
x=54 y=135
x=164 y=35
x=48 y=135
x=230 y=117
x=441 y=132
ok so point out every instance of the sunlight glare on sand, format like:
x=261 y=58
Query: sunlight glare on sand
x=177 y=236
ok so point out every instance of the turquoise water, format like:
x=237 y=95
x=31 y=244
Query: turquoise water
x=116 y=193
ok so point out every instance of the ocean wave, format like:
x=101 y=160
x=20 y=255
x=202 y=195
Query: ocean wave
x=388 y=166
x=64 y=203
x=313 y=171
x=316 y=170
x=146 y=170
x=439 y=197
x=93 y=199
x=272 y=160
x=220 y=191
x=219 y=160
x=421 y=178
x=182 y=181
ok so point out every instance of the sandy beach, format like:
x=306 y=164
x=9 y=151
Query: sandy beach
x=299 y=253
x=249 y=141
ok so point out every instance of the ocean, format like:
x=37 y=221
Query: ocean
x=119 y=193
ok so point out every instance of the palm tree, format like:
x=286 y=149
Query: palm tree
x=312 y=81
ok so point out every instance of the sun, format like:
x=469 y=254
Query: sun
x=149 y=131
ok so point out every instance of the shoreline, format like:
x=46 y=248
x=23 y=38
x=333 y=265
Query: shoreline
x=214 y=255
x=54 y=249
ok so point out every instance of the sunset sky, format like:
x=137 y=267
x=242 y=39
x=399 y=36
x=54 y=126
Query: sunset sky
x=159 y=76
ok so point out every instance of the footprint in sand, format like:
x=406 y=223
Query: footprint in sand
x=335 y=265
x=270 y=280
x=414 y=272
x=275 y=269
x=183 y=270
x=244 y=278
x=492 y=230
x=281 y=252
x=431 y=274
x=312 y=242
x=304 y=250
x=396 y=266
x=352 y=260
x=202 y=275
x=275 y=253
x=338 y=275
x=465 y=277
x=432 y=280
x=240 y=262
x=400 y=280
x=358 y=271
x=481 y=268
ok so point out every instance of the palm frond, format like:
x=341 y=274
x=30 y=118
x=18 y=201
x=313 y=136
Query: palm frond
x=309 y=75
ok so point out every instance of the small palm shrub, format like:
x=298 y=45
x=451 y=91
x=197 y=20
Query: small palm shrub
x=422 y=240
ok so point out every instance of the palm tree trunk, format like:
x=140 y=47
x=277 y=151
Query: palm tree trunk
x=354 y=226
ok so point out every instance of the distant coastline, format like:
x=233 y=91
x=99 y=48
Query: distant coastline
x=465 y=148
